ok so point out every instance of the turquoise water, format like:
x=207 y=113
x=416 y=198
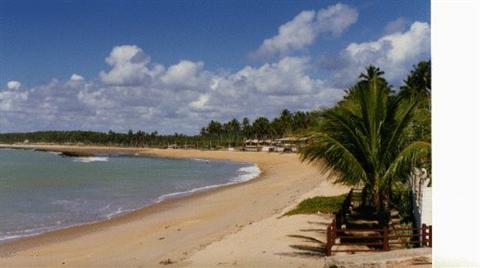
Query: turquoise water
x=42 y=191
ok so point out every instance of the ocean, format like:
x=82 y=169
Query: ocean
x=45 y=191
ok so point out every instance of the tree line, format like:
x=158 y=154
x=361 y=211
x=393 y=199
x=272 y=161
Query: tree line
x=287 y=123
x=215 y=134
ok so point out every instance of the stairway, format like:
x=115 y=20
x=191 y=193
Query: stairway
x=395 y=223
x=360 y=230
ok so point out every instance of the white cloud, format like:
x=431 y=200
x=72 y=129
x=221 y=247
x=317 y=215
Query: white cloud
x=177 y=98
x=135 y=93
x=398 y=25
x=11 y=101
x=292 y=35
x=394 y=53
x=336 y=19
x=76 y=77
x=200 y=103
x=95 y=99
x=13 y=85
x=306 y=27
x=129 y=66
x=184 y=75
x=285 y=77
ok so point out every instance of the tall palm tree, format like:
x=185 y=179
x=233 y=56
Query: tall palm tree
x=362 y=140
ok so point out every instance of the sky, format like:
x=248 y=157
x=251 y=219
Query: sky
x=172 y=66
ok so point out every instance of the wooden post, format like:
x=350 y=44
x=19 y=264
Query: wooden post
x=386 y=246
x=430 y=237
x=328 y=246
x=424 y=235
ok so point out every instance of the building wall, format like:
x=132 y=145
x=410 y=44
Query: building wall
x=426 y=215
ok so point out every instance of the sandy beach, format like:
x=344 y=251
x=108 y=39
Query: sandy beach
x=238 y=225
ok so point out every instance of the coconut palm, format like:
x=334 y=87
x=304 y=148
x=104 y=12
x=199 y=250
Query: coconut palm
x=418 y=86
x=362 y=140
x=419 y=82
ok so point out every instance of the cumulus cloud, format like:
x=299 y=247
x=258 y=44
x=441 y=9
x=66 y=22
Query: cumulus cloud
x=184 y=75
x=200 y=103
x=129 y=66
x=285 y=77
x=177 y=98
x=76 y=77
x=135 y=93
x=306 y=27
x=11 y=101
x=13 y=85
x=394 y=53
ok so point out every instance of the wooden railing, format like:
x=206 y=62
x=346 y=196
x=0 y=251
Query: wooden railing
x=381 y=241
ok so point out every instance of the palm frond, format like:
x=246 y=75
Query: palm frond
x=412 y=155
x=401 y=123
x=344 y=125
x=348 y=169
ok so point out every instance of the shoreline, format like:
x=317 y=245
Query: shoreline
x=83 y=152
x=173 y=229
x=162 y=198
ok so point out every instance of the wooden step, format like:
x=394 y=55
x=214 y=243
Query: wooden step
x=362 y=233
x=346 y=249
x=362 y=224
x=395 y=221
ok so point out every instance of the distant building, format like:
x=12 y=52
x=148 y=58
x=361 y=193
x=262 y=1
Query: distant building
x=172 y=146
x=286 y=144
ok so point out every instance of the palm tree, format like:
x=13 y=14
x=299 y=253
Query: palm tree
x=261 y=128
x=419 y=81
x=418 y=85
x=362 y=140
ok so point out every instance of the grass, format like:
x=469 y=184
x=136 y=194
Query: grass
x=319 y=204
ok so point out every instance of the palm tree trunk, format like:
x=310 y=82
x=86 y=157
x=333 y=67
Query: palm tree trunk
x=382 y=207
x=364 y=196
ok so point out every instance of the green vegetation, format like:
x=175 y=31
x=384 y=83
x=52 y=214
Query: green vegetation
x=287 y=123
x=322 y=204
x=214 y=135
x=375 y=136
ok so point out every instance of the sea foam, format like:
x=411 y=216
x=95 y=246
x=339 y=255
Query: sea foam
x=247 y=173
x=90 y=159
x=201 y=160
x=243 y=174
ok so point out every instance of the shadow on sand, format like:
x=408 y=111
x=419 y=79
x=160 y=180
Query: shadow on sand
x=310 y=241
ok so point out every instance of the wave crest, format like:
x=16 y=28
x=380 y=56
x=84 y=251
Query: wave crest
x=245 y=174
x=90 y=159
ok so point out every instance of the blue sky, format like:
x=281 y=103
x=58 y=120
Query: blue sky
x=195 y=54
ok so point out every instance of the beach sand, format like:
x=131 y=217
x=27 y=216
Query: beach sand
x=238 y=225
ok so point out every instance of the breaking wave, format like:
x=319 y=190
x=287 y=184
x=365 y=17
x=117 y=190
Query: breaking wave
x=243 y=174
x=90 y=159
